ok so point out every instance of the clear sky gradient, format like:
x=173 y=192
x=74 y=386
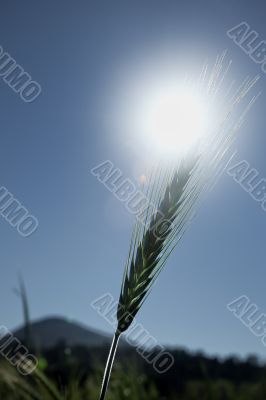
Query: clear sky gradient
x=76 y=50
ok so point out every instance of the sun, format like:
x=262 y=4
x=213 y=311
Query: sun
x=160 y=114
x=171 y=119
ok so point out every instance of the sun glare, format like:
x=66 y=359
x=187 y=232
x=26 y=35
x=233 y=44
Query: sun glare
x=171 y=119
x=163 y=111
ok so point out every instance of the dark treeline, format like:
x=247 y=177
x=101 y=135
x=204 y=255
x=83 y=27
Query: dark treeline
x=65 y=363
x=77 y=371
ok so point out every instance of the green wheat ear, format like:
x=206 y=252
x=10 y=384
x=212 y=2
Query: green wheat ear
x=152 y=244
x=174 y=193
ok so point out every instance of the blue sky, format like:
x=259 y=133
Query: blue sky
x=76 y=51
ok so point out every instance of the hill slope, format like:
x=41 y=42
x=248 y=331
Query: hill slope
x=48 y=332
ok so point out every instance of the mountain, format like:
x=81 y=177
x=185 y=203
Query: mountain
x=48 y=332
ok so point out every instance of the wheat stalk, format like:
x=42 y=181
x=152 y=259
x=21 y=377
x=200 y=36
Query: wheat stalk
x=175 y=193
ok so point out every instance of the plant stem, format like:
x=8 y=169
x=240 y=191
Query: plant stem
x=109 y=364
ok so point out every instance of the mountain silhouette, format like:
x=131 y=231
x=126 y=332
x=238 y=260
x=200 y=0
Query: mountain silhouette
x=48 y=332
